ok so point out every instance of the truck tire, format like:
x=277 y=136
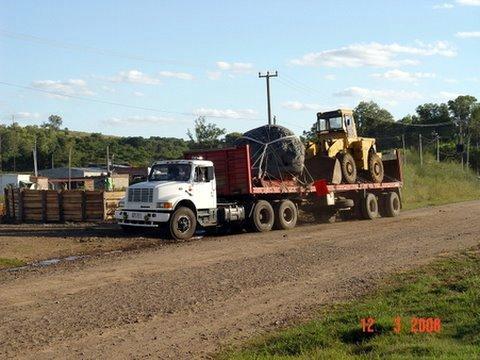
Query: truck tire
x=375 y=168
x=391 y=205
x=286 y=215
x=263 y=216
x=370 y=207
x=182 y=224
x=349 y=169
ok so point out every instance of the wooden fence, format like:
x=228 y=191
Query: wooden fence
x=22 y=205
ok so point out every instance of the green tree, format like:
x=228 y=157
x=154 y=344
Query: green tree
x=230 y=138
x=54 y=122
x=371 y=119
x=205 y=135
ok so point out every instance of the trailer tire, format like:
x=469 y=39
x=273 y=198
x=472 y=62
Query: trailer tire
x=182 y=224
x=349 y=169
x=286 y=215
x=263 y=216
x=391 y=205
x=375 y=168
x=370 y=207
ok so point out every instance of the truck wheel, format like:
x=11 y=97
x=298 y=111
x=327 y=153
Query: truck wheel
x=375 y=168
x=370 y=207
x=182 y=224
x=263 y=216
x=286 y=215
x=349 y=169
x=391 y=205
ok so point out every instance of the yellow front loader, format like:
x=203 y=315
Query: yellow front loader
x=337 y=145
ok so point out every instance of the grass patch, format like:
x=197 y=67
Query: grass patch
x=9 y=263
x=448 y=289
x=437 y=183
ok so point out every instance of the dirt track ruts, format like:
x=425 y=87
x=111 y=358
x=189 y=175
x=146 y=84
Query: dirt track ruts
x=187 y=300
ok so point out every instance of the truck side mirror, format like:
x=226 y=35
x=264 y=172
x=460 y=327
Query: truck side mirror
x=210 y=173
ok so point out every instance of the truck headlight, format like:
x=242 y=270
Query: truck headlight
x=164 y=205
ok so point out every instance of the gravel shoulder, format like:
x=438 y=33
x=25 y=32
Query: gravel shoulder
x=184 y=300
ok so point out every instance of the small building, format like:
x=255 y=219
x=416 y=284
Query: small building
x=76 y=172
x=23 y=181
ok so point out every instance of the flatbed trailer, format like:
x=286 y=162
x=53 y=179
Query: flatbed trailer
x=220 y=188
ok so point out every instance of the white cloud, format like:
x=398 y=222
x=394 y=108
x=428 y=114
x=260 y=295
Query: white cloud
x=236 y=67
x=468 y=34
x=73 y=87
x=297 y=105
x=450 y=80
x=135 y=77
x=227 y=113
x=26 y=115
x=231 y=69
x=108 y=89
x=391 y=96
x=214 y=75
x=330 y=77
x=138 y=94
x=374 y=54
x=443 y=6
x=406 y=76
x=447 y=95
x=469 y=2
x=177 y=75
x=140 y=120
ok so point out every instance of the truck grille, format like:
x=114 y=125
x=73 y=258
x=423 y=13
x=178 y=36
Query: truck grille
x=140 y=195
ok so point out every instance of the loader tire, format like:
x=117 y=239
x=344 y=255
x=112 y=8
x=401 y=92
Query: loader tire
x=286 y=215
x=375 y=168
x=349 y=169
x=391 y=205
x=263 y=216
x=369 y=207
x=182 y=224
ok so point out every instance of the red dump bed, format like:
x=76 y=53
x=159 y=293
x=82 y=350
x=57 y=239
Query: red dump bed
x=234 y=175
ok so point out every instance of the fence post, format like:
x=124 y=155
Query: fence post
x=61 y=216
x=21 y=202
x=84 y=205
x=44 y=205
x=7 y=204
x=420 y=150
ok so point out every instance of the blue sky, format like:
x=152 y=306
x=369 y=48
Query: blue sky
x=168 y=62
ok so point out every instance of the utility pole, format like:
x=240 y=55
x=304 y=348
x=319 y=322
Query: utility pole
x=35 y=167
x=420 y=148
x=468 y=152
x=52 y=162
x=70 y=169
x=404 y=150
x=108 y=160
x=14 y=145
x=267 y=76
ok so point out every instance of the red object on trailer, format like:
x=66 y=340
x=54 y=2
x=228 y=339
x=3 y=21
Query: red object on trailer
x=234 y=176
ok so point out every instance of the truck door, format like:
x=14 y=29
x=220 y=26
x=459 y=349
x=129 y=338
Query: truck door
x=204 y=188
x=350 y=127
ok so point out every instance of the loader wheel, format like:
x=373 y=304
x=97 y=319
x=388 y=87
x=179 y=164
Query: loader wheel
x=183 y=223
x=391 y=205
x=263 y=216
x=375 y=168
x=349 y=169
x=370 y=207
x=286 y=215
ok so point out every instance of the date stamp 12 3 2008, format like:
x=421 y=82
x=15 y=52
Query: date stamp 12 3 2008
x=415 y=325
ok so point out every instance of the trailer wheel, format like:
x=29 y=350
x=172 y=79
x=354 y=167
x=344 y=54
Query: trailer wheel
x=182 y=224
x=349 y=169
x=286 y=215
x=375 y=168
x=263 y=216
x=391 y=205
x=370 y=207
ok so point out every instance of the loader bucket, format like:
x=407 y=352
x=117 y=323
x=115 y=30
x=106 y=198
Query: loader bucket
x=324 y=167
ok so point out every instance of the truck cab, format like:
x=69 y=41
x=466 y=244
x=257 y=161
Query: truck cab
x=188 y=185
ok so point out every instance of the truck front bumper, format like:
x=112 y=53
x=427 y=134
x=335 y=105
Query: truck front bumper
x=141 y=218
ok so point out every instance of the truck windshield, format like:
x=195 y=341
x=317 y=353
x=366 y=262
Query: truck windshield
x=170 y=172
x=336 y=123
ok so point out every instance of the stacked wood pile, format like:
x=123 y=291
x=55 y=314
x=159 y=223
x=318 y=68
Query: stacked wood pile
x=23 y=205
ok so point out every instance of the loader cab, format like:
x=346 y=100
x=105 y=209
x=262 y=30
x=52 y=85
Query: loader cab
x=336 y=123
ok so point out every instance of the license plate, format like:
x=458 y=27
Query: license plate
x=137 y=215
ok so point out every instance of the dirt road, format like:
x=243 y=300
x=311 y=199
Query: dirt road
x=187 y=300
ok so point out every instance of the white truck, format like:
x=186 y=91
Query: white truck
x=217 y=188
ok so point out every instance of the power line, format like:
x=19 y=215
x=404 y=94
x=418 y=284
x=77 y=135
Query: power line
x=91 y=49
x=108 y=102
